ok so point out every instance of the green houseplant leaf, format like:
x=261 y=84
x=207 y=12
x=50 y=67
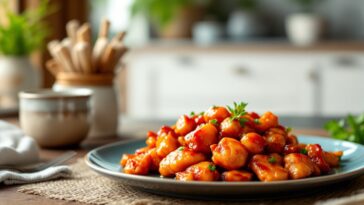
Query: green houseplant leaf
x=23 y=33
x=162 y=12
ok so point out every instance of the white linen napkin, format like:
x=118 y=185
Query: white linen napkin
x=15 y=147
x=18 y=149
x=10 y=177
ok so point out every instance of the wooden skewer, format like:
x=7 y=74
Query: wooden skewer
x=119 y=37
x=107 y=57
x=51 y=45
x=66 y=42
x=71 y=28
x=65 y=57
x=101 y=44
x=120 y=51
x=53 y=67
x=104 y=28
x=83 y=52
x=112 y=56
x=84 y=33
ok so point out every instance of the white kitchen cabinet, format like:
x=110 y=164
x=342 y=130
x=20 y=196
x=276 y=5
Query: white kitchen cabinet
x=342 y=84
x=164 y=82
x=165 y=85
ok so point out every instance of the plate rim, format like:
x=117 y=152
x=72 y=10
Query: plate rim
x=160 y=180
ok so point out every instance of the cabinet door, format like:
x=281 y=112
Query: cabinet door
x=342 y=83
x=167 y=85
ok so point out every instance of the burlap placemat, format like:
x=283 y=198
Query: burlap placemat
x=88 y=187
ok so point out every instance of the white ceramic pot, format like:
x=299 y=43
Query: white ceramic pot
x=55 y=119
x=16 y=74
x=304 y=29
x=104 y=109
x=243 y=24
x=207 y=32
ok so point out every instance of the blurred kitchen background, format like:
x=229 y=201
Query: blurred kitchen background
x=292 y=57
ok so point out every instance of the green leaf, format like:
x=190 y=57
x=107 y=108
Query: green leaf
x=24 y=32
x=272 y=160
x=192 y=113
x=303 y=151
x=212 y=167
x=351 y=128
x=213 y=121
x=237 y=112
x=181 y=148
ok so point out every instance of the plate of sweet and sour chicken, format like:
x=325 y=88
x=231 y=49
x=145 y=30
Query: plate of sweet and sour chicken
x=229 y=144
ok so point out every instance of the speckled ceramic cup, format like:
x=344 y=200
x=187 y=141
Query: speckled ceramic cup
x=55 y=119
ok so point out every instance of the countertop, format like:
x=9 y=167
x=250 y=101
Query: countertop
x=258 y=45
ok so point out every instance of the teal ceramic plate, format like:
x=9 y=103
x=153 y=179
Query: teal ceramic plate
x=105 y=160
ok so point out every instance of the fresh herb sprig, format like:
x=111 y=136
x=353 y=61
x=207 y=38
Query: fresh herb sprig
x=238 y=112
x=351 y=128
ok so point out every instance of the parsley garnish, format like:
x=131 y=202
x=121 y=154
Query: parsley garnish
x=192 y=113
x=202 y=113
x=181 y=148
x=214 y=121
x=256 y=121
x=238 y=112
x=288 y=129
x=212 y=167
x=350 y=128
x=272 y=160
x=303 y=151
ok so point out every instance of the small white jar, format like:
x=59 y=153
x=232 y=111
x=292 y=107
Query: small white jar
x=104 y=112
x=304 y=29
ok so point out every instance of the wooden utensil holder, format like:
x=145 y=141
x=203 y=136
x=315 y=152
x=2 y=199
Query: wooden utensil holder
x=104 y=108
x=79 y=79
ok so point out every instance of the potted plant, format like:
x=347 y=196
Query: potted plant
x=305 y=27
x=244 y=22
x=172 y=18
x=20 y=35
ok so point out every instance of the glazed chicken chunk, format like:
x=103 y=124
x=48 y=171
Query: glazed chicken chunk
x=203 y=171
x=299 y=166
x=229 y=153
x=179 y=160
x=236 y=176
x=266 y=168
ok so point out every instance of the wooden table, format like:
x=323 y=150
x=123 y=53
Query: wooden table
x=9 y=194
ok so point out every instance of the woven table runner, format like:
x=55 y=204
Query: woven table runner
x=88 y=187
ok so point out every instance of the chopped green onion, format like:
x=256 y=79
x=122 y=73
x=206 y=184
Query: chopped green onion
x=212 y=167
x=272 y=160
x=303 y=151
x=214 y=121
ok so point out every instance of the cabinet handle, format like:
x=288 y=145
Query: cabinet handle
x=313 y=75
x=346 y=62
x=185 y=60
x=241 y=71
